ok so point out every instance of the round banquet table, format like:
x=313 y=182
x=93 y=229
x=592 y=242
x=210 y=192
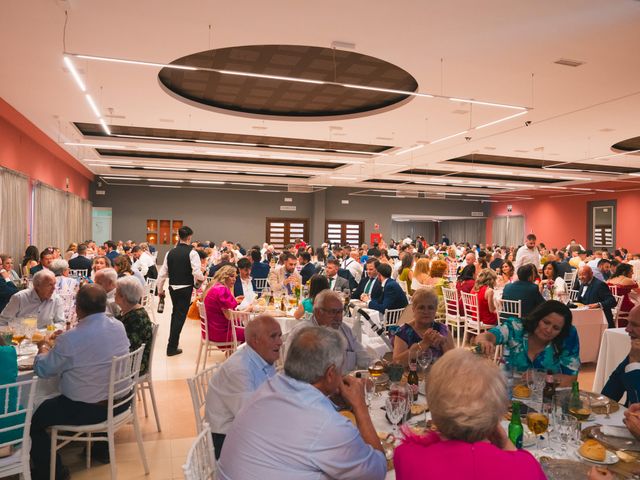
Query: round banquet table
x=613 y=349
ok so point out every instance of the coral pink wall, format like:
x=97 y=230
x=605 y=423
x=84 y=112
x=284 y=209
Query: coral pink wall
x=25 y=148
x=555 y=221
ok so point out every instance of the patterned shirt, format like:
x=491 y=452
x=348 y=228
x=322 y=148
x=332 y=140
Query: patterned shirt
x=407 y=333
x=139 y=330
x=564 y=360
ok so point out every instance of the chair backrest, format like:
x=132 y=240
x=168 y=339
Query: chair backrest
x=204 y=324
x=125 y=370
x=614 y=289
x=154 y=337
x=573 y=295
x=619 y=299
x=451 y=303
x=509 y=308
x=392 y=315
x=79 y=272
x=569 y=278
x=201 y=462
x=198 y=385
x=238 y=319
x=470 y=302
x=16 y=409
x=260 y=283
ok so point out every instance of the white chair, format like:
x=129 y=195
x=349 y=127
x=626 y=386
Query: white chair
x=403 y=285
x=209 y=345
x=238 y=319
x=201 y=462
x=147 y=300
x=391 y=317
x=569 y=278
x=17 y=399
x=260 y=284
x=472 y=324
x=617 y=314
x=507 y=309
x=573 y=295
x=78 y=273
x=198 y=385
x=453 y=319
x=145 y=382
x=613 y=289
x=122 y=387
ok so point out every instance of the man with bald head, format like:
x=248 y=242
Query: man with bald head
x=241 y=374
x=594 y=293
x=626 y=377
x=40 y=301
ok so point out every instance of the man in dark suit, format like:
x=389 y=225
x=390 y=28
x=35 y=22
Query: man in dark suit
x=392 y=296
x=336 y=282
x=626 y=377
x=563 y=266
x=524 y=289
x=46 y=257
x=81 y=262
x=308 y=268
x=243 y=286
x=7 y=288
x=594 y=293
x=259 y=269
x=369 y=284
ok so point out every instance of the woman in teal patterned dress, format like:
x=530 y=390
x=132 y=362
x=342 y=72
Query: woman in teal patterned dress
x=136 y=321
x=545 y=340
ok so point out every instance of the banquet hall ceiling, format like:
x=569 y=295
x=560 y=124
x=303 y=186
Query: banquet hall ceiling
x=473 y=64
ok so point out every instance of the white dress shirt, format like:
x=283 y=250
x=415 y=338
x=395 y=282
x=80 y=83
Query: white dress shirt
x=27 y=303
x=82 y=357
x=289 y=430
x=249 y=294
x=196 y=269
x=232 y=385
x=527 y=255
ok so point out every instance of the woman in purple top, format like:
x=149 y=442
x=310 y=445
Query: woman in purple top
x=467 y=397
x=423 y=332
x=219 y=297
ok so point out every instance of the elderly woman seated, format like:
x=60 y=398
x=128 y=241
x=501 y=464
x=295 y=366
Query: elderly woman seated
x=423 y=332
x=136 y=321
x=468 y=397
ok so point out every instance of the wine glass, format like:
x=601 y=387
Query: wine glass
x=369 y=388
x=581 y=409
x=266 y=294
x=396 y=408
x=19 y=334
x=538 y=422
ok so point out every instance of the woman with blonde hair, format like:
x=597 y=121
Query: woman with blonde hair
x=483 y=289
x=423 y=332
x=72 y=249
x=217 y=298
x=421 y=277
x=468 y=397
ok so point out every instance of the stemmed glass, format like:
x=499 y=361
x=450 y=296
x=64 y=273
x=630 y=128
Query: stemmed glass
x=266 y=294
x=369 y=388
x=538 y=422
x=19 y=334
x=396 y=408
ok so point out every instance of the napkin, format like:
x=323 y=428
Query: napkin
x=613 y=431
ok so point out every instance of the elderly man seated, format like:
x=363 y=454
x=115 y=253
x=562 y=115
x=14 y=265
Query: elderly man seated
x=626 y=377
x=290 y=430
x=595 y=293
x=107 y=278
x=327 y=312
x=64 y=283
x=39 y=301
x=240 y=375
x=82 y=359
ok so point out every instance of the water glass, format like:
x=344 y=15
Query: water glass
x=396 y=408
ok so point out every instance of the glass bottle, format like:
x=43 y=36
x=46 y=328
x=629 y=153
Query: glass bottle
x=515 y=425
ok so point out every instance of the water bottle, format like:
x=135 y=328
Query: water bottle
x=546 y=294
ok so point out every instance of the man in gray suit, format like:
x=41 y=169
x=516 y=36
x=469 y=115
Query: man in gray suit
x=336 y=282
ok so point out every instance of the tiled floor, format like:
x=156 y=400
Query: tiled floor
x=166 y=450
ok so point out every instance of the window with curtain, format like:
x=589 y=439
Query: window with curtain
x=468 y=230
x=60 y=218
x=14 y=211
x=509 y=230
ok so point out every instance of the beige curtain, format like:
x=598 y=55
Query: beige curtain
x=14 y=211
x=60 y=218
x=469 y=230
x=508 y=231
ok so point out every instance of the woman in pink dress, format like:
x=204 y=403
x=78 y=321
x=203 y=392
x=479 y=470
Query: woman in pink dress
x=219 y=297
x=623 y=282
x=467 y=396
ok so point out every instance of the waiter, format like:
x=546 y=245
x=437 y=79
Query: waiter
x=182 y=267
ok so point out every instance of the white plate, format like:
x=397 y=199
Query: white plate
x=610 y=459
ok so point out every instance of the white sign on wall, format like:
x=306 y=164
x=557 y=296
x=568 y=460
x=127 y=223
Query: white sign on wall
x=288 y=208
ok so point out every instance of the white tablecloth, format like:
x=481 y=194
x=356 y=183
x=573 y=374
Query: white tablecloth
x=613 y=349
x=590 y=324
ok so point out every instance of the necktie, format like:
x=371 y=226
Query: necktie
x=367 y=287
x=288 y=284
